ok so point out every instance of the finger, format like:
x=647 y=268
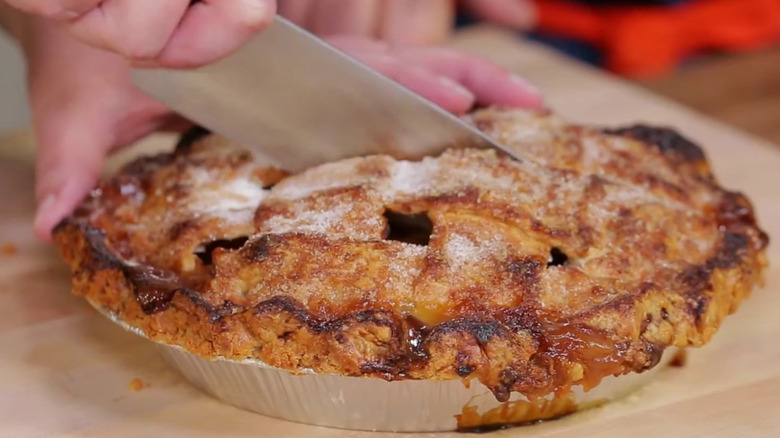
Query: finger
x=416 y=22
x=519 y=14
x=73 y=146
x=345 y=17
x=56 y=9
x=71 y=154
x=135 y=29
x=297 y=11
x=438 y=89
x=358 y=44
x=212 y=29
x=491 y=84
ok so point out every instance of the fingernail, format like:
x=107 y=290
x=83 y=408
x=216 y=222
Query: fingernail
x=454 y=86
x=523 y=82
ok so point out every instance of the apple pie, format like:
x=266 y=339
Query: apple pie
x=612 y=246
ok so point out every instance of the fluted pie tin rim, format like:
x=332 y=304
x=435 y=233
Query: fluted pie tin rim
x=374 y=404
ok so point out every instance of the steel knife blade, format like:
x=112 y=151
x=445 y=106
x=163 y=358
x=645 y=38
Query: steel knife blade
x=299 y=102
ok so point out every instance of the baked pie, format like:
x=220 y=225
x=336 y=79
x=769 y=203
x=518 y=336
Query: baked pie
x=587 y=261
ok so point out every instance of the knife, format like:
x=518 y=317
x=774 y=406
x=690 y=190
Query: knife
x=298 y=102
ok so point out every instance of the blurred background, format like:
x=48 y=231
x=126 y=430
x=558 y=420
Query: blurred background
x=721 y=57
x=13 y=98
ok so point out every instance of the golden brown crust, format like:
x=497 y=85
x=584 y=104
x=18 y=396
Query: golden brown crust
x=529 y=278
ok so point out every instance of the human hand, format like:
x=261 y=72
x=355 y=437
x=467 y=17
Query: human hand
x=170 y=33
x=411 y=22
x=84 y=106
x=186 y=33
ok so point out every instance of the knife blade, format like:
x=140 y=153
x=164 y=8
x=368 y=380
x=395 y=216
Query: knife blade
x=299 y=102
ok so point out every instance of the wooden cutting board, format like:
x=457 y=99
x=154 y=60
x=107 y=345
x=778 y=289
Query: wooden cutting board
x=66 y=371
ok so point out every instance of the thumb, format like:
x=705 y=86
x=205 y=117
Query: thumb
x=70 y=160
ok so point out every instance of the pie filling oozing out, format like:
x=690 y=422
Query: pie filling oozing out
x=587 y=261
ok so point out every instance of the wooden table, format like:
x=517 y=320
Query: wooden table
x=742 y=90
x=65 y=371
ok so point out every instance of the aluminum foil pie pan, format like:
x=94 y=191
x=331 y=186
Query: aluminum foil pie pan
x=373 y=404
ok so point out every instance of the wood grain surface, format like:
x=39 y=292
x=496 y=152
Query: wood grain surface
x=66 y=372
x=742 y=90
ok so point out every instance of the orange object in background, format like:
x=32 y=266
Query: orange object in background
x=650 y=40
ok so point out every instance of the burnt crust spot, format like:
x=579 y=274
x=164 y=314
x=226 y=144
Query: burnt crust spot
x=205 y=251
x=731 y=251
x=665 y=139
x=654 y=353
x=482 y=330
x=101 y=258
x=526 y=272
x=256 y=250
x=462 y=368
x=698 y=308
x=191 y=137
